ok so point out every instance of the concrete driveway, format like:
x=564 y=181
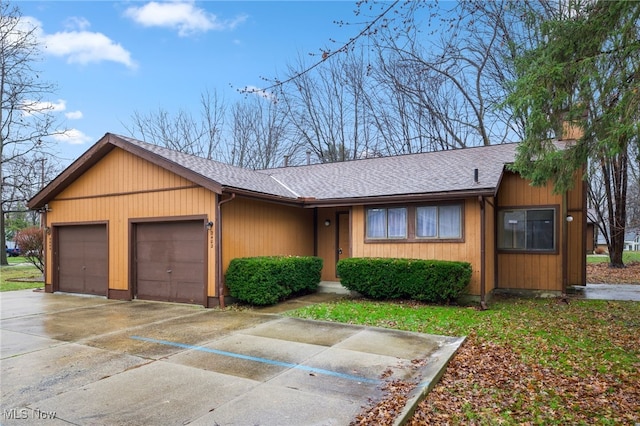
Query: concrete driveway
x=68 y=359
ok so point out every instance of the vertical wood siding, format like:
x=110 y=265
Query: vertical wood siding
x=256 y=228
x=466 y=251
x=577 y=233
x=530 y=271
x=490 y=244
x=123 y=186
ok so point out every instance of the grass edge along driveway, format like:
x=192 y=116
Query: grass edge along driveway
x=525 y=361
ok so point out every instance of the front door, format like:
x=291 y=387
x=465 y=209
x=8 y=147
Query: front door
x=342 y=237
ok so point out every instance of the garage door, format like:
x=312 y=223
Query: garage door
x=83 y=259
x=170 y=261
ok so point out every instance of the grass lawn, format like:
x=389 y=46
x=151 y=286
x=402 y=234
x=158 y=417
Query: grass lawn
x=525 y=361
x=19 y=270
x=627 y=257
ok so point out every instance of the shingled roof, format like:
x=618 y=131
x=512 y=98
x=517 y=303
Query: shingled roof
x=439 y=174
x=442 y=172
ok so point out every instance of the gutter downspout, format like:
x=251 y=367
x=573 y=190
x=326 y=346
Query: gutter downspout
x=483 y=231
x=219 y=249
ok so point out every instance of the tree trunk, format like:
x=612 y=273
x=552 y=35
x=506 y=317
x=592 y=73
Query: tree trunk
x=618 y=220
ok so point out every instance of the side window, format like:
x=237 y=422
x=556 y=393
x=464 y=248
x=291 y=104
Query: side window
x=527 y=229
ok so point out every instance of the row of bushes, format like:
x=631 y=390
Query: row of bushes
x=270 y=279
x=434 y=281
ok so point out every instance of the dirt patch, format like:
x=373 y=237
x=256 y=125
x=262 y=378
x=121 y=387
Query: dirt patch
x=602 y=273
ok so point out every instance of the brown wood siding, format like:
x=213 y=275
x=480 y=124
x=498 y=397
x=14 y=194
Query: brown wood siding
x=122 y=186
x=467 y=251
x=530 y=271
x=577 y=233
x=255 y=228
x=490 y=244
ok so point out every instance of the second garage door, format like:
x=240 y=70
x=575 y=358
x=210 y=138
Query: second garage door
x=170 y=261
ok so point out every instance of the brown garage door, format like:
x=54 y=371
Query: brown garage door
x=169 y=259
x=83 y=259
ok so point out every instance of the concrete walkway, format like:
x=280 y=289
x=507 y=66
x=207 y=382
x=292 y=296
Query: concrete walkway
x=606 y=292
x=68 y=359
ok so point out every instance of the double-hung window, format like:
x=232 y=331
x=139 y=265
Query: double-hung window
x=531 y=229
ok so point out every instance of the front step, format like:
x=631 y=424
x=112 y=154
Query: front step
x=333 y=287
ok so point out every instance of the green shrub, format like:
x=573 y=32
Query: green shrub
x=267 y=280
x=386 y=278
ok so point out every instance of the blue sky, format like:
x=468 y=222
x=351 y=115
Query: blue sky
x=109 y=59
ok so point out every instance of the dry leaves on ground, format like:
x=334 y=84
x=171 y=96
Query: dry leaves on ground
x=490 y=381
x=601 y=273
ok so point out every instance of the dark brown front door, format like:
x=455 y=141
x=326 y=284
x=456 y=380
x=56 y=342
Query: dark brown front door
x=83 y=259
x=170 y=261
x=343 y=244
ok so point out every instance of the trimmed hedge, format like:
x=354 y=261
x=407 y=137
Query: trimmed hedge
x=267 y=280
x=434 y=281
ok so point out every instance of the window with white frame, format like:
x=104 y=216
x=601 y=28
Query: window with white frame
x=532 y=229
x=415 y=222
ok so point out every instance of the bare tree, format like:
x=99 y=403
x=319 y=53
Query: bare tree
x=329 y=109
x=260 y=136
x=455 y=66
x=182 y=131
x=26 y=118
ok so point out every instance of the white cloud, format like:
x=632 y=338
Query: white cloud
x=72 y=137
x=77 y=23
x=34 y=107
x=183 y=16
x=73 y=115
x=86 y=47
x=78 y=45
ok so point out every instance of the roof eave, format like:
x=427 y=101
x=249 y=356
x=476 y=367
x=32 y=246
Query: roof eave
x=161 y=161
x=401 y=198
x=77 y=168
x=263 y=196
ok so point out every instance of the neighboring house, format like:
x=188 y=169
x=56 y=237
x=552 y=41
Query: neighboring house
x=631 y=237
x=632 y=241
x=130 y=219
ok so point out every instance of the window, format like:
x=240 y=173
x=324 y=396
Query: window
x=387 y=223
x=439 y=222
x=414 y=222
x=527 y=229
